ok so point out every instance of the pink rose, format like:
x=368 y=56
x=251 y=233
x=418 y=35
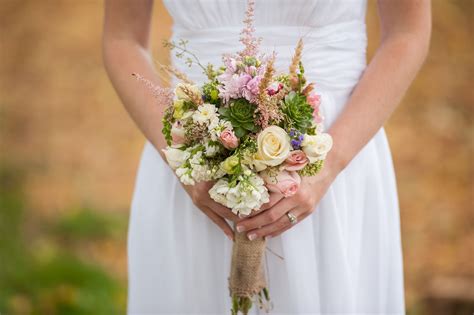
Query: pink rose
x=228 y=139
x=274 y=88
x=285 y=183
x=315 y=100
x=177 y=133
x=295 y=161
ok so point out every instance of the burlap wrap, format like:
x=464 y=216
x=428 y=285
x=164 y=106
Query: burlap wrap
x=247 y=276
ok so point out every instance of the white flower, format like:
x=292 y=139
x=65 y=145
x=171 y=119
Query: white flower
x=211 y=149
x=184 y=176
x=175 y=156
x=248 y=195
x=316 y=147
x=273 y=147
x=216 y=126
x=205 y=114
x=219 y=191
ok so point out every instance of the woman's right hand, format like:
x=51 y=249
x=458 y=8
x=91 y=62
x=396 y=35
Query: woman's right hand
x=199 y=194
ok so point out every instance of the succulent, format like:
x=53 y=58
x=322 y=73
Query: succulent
x=299 y=114
x=240 y=114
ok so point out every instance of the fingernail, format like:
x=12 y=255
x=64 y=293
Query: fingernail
x=230 y=237
x=268 y=237
x=240 y=228
x=252 y=237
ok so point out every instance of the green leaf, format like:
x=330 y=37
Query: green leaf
x=249 y=126
x=240 y=132
x=224 y=111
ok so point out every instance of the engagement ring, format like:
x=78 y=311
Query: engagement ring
x=292 y=217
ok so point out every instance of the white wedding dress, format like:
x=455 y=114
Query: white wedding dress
x=343 y=259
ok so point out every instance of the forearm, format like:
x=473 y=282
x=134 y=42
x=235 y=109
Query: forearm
x=375 y=97
x=122 y=58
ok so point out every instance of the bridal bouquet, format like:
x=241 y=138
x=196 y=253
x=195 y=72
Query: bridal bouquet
x=250 y=130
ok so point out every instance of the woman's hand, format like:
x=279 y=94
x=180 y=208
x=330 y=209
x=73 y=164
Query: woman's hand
x=273 y=221
x=199 y=194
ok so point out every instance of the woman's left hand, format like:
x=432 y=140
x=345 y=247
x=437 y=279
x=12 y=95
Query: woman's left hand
x=274 y=220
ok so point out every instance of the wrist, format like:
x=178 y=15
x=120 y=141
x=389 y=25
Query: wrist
x=336 y=159
x=334 y=163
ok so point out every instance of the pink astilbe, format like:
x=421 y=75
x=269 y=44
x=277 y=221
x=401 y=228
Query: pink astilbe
x=247 y=36
x=163 y=95
x=267 y=106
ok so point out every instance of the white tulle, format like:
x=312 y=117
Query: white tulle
x=343 y=259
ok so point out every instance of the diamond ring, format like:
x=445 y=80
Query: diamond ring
x=292 y=217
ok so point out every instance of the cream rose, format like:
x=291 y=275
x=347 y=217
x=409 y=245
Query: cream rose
x=316 y=147
x=273 y=147
x=175 y=157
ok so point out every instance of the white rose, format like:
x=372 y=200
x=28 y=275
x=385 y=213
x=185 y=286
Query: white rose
x=316 y=147
x=179 y=91
x=175 y=157
x=273 y=147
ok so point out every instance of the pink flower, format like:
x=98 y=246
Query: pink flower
x=228 y=139
x=251 y=70
x=177 y=133
x=244 y=79
x=250 y=90
x=295 y=161
x=285 y=183
x=230 y=64
x=315 y=100
x=232 y=85
x=274 y=88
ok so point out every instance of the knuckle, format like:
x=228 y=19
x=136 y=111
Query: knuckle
x=272 y=216
x=305 y=202
x=283 y=223
x=197 y=199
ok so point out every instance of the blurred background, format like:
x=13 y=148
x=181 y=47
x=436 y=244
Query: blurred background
x=69 y=153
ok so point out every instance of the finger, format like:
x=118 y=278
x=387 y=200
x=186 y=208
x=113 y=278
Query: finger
x=299 y=218
x=266 y=217
x=222 y=211
x=220 y=222
x=274 y=199
x=282 y=223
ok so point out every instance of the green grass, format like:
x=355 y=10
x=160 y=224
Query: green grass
x=52 y=279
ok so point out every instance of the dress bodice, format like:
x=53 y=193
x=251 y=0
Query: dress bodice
x=333 y=32
x=204 y=14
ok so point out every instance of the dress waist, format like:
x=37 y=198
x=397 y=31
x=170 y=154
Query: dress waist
x=334 y=55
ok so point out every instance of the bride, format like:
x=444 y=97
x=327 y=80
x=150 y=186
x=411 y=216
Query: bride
x=344 y=254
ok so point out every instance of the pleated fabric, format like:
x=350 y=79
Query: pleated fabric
x=343 y=259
